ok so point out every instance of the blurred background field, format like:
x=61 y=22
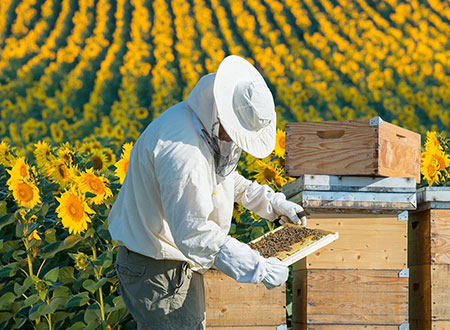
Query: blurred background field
x=80 y=79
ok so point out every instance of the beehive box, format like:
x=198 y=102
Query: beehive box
x=244 y=306
x=429 y=260
x=359 y=281
x=355 y=147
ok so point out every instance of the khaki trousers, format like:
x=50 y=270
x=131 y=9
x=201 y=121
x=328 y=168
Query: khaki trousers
x=161 y=294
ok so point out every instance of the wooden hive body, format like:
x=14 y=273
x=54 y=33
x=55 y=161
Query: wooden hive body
x=244 y=306
x=429 y=260
x=356 y=147
x=360 y=280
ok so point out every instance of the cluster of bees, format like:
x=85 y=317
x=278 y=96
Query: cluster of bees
x=283 y=239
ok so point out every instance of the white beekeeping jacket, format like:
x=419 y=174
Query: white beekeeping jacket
x=171 y=204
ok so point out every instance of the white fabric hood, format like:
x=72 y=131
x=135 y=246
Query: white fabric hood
x=201 y=100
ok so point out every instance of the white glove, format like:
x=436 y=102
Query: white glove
x=277 y=273
x=246 y=265
x=287 y=210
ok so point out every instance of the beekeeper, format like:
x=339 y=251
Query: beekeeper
x=173 y=213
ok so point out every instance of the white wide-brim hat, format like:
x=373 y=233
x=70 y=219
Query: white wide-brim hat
x=245 y=106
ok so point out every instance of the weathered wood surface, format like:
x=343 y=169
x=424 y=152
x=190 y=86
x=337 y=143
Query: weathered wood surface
x=331 y=296
x=365 y=242
x=440 y=292
x=429 y=237
x=351 y=148
x=429 y=295
x=233 y=304
x=440 y=236
x=419 y=242
x=399 y=152
x=298 y=326
x=420 y=297
x=440 y=325
x=341 y=148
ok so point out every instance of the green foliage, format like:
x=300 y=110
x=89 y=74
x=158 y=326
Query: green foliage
x=60 y=281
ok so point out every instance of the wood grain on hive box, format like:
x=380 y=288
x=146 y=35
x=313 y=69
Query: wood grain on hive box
x=350 y=296
x=429 y=294
x=429 y=237
x=372 y=241
x=355 y=147
x=233 y=304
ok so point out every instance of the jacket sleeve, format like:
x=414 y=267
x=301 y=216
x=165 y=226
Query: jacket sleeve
x=184 y=177
x=255 y=197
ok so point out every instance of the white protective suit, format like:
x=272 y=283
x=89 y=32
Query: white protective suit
x=172 y=205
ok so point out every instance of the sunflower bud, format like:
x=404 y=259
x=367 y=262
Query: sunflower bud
x=81 y=261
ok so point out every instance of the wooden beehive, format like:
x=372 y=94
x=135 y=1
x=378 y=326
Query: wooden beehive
x=244 y=306
x=355 y=147
x=359 y=281
x=429 y=260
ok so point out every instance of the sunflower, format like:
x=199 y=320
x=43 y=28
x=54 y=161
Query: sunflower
x=90 y=182
x=68 y=112
x=118 y=133
x=65 y=152
x=141 y=113
x=73 y=210
x=430 y=169
x=99 y=159
x=268 y=173
x=43 y=154
x=443 y=160
x=56 y=132
x=20 y=170
x=238 y=210
x=122 y=164
x=280 y=143
x=86 y=147
x=59 y=172
x=25 y=193
x=432 y=142
x=110 y=156
x=6 y=158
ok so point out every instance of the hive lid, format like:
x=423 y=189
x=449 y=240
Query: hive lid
x=301 y=249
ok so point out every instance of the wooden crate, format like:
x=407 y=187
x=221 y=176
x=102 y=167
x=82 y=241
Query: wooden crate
x=359 y=279
x=355 y=147
x=429 y=260
x=234 y=305
x=366 y=241
x=338 y=297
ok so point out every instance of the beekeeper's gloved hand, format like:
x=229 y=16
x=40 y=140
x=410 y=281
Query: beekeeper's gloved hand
x=246 y=265
x=277 y=273
x=287 y=210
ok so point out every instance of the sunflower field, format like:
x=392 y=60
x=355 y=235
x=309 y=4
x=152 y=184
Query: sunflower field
x=81 y=79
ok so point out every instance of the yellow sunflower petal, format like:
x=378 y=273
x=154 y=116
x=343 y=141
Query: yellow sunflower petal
x=73 y=211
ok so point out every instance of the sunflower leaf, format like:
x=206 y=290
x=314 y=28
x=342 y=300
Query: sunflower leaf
x=3 y=208
x=9 y=270
x=52 y=275
x=78 y=300
x=6 y=220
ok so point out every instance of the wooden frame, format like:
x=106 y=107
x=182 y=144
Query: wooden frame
x=355 y=147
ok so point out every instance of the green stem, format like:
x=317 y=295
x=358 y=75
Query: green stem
x=100 y=291
x=30 y=264
x=49 y=317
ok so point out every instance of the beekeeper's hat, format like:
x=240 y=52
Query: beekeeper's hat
x=245 y=106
